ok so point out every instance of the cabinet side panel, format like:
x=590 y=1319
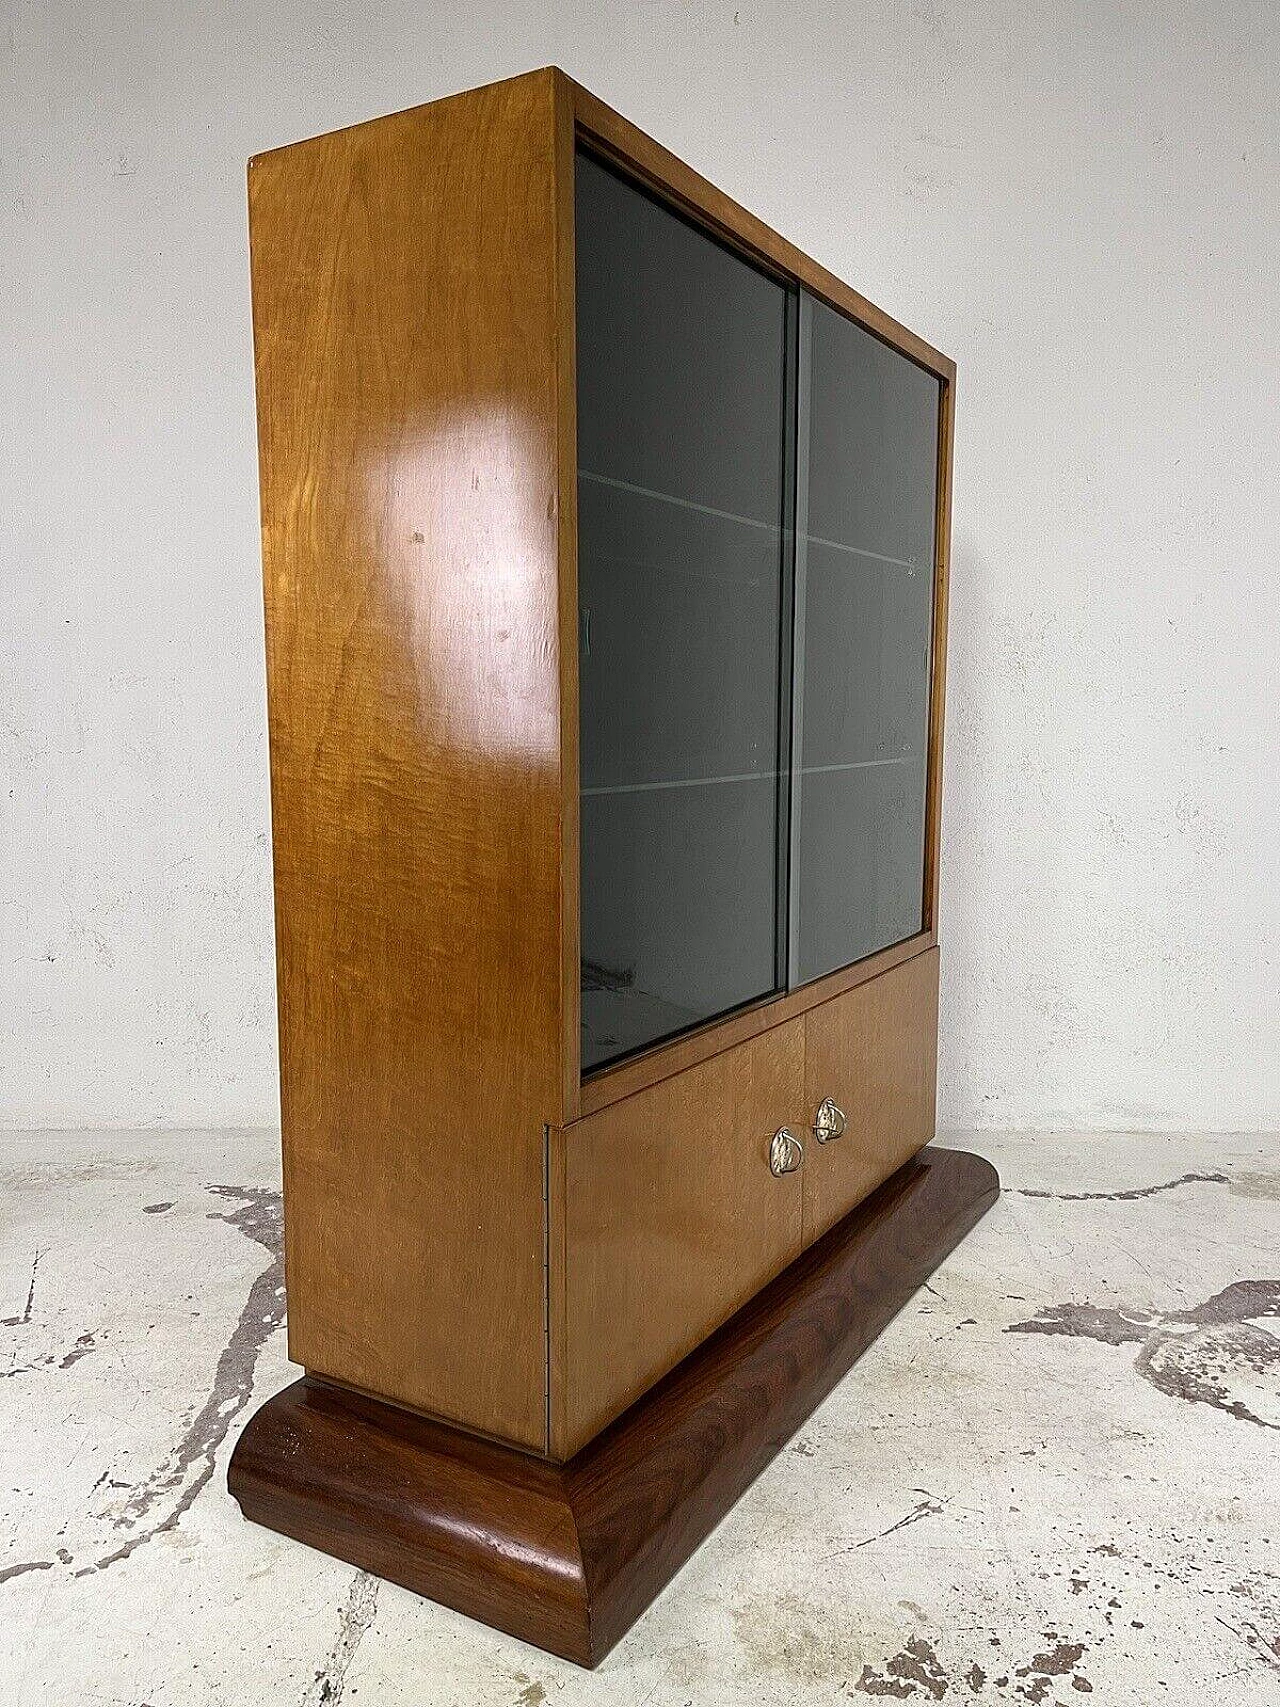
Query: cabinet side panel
x=405 y=324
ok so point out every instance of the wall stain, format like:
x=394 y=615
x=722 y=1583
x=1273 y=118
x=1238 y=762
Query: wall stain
x=1198 y=1354
x=191 y=1463
x=355 y=1617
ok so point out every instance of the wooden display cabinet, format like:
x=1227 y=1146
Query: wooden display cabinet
x=605 y=544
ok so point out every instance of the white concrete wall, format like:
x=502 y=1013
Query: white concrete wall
x=1078 y=201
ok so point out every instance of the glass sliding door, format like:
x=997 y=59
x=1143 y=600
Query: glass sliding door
x=684 y=358
x=865 y=528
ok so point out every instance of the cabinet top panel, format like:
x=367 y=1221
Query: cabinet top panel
x=578 y=111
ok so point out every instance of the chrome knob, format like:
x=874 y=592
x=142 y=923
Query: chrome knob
x=786 y=1152
x=829 y=1122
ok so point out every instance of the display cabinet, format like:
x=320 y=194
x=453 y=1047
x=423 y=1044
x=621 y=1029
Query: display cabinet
x=605 y=555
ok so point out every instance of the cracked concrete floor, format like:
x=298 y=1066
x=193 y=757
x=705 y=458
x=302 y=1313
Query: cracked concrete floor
x=1056 y=1476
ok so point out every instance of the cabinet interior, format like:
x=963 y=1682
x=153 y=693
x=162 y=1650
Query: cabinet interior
x=757 y=491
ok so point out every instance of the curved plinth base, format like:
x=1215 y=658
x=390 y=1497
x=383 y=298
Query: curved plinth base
x=568 y=1556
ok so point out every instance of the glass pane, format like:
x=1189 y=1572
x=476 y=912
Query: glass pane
x=864 y=618
x=682 y=385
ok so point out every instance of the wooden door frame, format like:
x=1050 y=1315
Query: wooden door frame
x=581 y=118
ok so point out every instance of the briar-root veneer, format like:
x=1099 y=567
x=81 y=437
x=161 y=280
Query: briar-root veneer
x=605 y=564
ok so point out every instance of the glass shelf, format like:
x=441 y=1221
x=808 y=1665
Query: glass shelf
x=910 y=564
x=770 y=528
x=907 y=563
x=896 y=762
x=678 y=782
x=595 y=793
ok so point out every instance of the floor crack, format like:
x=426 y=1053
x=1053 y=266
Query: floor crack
x=1129 y=1196
x=357 y=1615
x=258 y=1218
x=22 y=1320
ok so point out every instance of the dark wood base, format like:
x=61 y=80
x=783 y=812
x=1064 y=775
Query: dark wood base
x=568 y=1556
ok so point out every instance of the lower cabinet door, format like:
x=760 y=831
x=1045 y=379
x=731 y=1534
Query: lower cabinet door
x=871 y=1062
x=672 y=1217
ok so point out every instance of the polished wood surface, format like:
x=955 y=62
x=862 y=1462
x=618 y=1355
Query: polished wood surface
x=938 y=657
x=465 y=1217
x=567 y=563
x=874 y=1052
x=666 y=1059
x=568 y=1556
x=408 y=278
x=481 y=1527
x=671 y=1219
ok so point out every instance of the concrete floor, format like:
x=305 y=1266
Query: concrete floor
x=1056 y=1475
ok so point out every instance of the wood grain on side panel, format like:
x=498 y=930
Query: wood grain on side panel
x=874 y=1052
x=409 y=393
x=671 y=1219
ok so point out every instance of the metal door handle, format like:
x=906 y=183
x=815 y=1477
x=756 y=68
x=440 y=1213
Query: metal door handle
x=786 y=1152
x=829 y=1122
